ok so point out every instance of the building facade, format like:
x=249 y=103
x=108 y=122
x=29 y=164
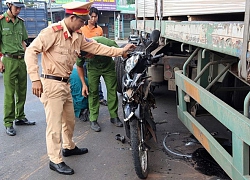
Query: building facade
x=114 y=18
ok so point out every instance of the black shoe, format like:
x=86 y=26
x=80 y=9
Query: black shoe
x=24 y=121
x=75 y=151
x=10 y=131
x=61 y=168
x=84 y=115
x=116 y=121
x=103 y=102
x=95 y=126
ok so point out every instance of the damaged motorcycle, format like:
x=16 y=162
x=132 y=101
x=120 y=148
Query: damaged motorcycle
x=137 y=102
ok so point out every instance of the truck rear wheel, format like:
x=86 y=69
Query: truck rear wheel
x=119 y=73
x=119 y=68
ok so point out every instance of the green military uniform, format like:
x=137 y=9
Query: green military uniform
x=101 y=66
x=15 y=76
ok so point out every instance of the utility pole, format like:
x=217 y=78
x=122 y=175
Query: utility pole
x=51 y=16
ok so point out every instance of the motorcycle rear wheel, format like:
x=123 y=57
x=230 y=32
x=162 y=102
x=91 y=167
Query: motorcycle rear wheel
x=139 y=154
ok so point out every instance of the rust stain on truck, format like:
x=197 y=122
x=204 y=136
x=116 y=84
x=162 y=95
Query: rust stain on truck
x=201 y=137
x=192 y=91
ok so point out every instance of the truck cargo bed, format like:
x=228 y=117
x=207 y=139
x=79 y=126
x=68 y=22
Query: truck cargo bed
x=225 y=37
x=188 y=7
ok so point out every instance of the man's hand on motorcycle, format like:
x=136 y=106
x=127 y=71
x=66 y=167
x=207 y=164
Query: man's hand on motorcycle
x=85 y=91
x=128 y=47
x=37 y=88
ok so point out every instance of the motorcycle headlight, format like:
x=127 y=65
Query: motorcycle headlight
x=131 y=63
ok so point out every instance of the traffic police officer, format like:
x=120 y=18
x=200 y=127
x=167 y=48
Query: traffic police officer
x=60 y=45
x=12 y=46
x=101 y=66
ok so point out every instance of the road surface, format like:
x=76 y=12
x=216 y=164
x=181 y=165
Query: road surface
x=24 y=156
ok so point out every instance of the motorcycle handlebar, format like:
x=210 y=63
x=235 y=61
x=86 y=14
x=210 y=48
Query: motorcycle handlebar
x=158 y=56
x=142 y=53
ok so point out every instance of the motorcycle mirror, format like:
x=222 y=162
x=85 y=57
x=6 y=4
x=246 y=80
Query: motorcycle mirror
x=152 y=44
x=155 y=35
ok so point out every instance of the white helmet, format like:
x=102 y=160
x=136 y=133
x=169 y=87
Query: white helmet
x=17 y=3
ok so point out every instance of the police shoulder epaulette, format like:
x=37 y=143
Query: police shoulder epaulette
x=1 y=16
x=20 y=18
x=57 y=28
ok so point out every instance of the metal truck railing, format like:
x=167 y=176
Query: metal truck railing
x=217 y=86
x=236 y=163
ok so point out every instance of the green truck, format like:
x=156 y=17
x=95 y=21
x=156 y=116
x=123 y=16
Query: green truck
x=35 y=15
x=207 y=55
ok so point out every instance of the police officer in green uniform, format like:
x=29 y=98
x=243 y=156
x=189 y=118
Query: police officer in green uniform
x=12 y=46
x=98 y=66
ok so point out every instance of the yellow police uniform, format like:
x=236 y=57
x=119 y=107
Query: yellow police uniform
x=60 y=50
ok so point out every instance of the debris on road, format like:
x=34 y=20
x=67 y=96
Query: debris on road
x=120 y=138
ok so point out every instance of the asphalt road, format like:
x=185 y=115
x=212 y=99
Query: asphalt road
x=24 y=155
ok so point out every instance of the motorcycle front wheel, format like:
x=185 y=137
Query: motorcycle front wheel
x=139 y=153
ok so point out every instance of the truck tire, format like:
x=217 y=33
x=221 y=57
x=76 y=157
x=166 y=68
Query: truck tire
x=119 y=73
x=140 y=155
x=119 y=68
